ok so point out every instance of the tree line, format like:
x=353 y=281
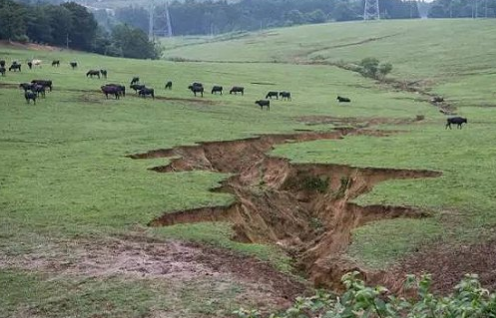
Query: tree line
x=463 y=9
x=193 y=17
x=71 y=25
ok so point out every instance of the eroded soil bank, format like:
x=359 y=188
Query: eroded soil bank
x=305 y=208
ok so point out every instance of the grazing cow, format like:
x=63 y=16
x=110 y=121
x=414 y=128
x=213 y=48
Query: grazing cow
x=25 y=86
x=343 y=99
x=263 y=103
x=15 y=66
x=112 y=90
x=104 y=73
x=285 y=95
x=44 y=83
x=56 y=63
x=198 y=88
x=93 y=73
x=456 y=120
x=237 y=89
x=36 y=62
x=147 y=91
x=168 y=85
x=121 y=88
x=30 y=65
x=272 y=94
x=437 y=99
x=73 y=65
x=30 y=95
x=216 y=89
x=38 y=89
x=135 y=80
x=2 y=63
x=137 y=87
x=2 y=70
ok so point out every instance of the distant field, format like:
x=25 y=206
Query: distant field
x=74 y=239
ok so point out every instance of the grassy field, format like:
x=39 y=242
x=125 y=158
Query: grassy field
x=65 y=180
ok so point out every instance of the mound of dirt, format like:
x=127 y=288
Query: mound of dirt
x=305 y=208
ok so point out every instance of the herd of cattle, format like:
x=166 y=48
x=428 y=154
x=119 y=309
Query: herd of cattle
x=38 y=88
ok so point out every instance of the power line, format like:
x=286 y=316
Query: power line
x=371 y=10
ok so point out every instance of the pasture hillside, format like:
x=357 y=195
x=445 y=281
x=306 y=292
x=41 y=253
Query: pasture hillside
x=369 y=184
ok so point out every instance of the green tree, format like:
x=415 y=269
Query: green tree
x=38 y=25
x=82 y=35
x=12 y=20
x=317 y=16
x=133 y=42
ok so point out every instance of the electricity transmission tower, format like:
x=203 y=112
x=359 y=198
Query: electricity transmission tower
x=371 y=10
x=163 y=15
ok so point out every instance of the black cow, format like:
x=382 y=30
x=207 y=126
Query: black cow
x=111 y=90
x=263 y=103
x=147 y=91
x=44 y=83
x=135 y=80
x=121 y=88
x=30 y=95
x=168 y=85
x=73 y=65
x=285 y=95
x=30 y=65
x=56 y=63
x=2 y=63
x=137 y=87
x=272 y=94
x=437 y=99
x=456 y=120
x=104 y=73
x=237 y=89
x=2 y=70
x=343 y=99
x=39 y=90
x=216 y=89
x=25 y=86
x=93 y=73
x=196 y=88
x=15 y=66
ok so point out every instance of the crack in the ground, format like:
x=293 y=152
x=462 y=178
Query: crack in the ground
x=305 y=208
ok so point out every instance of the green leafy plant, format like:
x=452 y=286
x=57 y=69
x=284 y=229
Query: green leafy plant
x=469 y=300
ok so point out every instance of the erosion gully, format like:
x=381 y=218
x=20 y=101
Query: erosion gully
x=307 y=209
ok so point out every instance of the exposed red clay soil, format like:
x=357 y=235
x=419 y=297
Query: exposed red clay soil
x=305 y=208
x=138 y=258
x=447 y=264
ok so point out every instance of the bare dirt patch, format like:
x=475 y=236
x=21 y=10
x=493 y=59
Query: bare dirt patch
x=139 y=258
x=447 y=264
x=305 y=208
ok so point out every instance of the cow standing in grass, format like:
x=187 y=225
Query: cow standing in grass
x=135 y=80
x=44 y=83
x=168 y=85
x=73 y=65
x=237 y=89
x=2 y=70
x=216 y=89
x=56 y=63
x=30 y=96
x=147 y=91
x=14 y=67
x=39 y=90
x=137 y=87
x=459 y=121
x=263 y=103
x=104 y=73
x=285 y=95
x=343 y=99
x=196 y=88
x=2 y=63
x=111 y=90
x=272 y=94
x=30 y=65
x=92 y=73
x=121 y=88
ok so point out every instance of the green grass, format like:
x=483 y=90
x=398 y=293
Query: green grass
x=65 y=175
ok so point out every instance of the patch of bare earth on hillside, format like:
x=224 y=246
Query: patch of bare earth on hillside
x=170 y=261
x=307 y=209
x=447 y=264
